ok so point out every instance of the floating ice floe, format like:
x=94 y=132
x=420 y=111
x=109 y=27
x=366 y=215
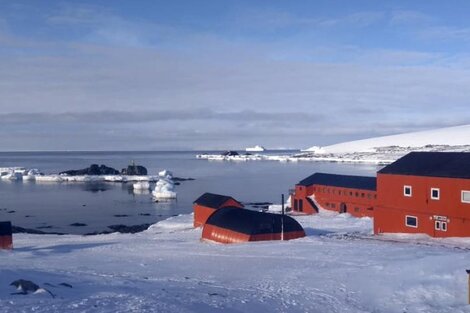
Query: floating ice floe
x=144 y=185
x=49 y=179
x=21 y=173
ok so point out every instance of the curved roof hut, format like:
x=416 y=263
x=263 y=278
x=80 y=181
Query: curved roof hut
x=234 y=225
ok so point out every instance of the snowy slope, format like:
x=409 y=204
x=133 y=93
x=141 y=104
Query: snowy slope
x=168 y=269
x=454 y=136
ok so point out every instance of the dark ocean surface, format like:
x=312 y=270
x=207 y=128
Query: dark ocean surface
x=53 y=207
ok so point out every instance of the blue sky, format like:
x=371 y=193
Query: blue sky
x=105 y=75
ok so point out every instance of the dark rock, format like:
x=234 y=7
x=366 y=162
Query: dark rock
x=78 y=224
x=44 y=227
x=94 y=169
x=12 y=211
x=230 y=153
x=257 y=203
x=65 y=285
x=129 y=229
x=121 y=215
x=176 y=179
x=27 y=286
x=134 y=170
x=21 y=230
x=104 y=232
x=145 y=214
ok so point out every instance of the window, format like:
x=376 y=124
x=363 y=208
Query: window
x=363 y=195
x=407 y=191
x=411 y=221
x=357 y=194
x=465 y=196
x=301 y=205
x=296 y=205
x=356 y=209
x=439 y=225
x=435 y=193
x=350 y=193
x=333 y=205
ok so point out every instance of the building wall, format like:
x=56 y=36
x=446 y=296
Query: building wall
x=393 y=206
x=357 y=202
x=202 y=213
x=6 y=242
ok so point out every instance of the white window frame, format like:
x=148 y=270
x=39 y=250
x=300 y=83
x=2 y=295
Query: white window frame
x=461 y=197
x=438 y=225
x=404 y=191
x=438 y=193
x=406 y=221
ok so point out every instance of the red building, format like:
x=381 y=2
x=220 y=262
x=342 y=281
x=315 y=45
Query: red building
x=342 y=193
x=6 y=239
x=208 y=203
x=235 y=225
x=425 y=192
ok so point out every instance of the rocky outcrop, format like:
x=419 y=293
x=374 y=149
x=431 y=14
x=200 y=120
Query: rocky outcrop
x=134 y=170
x=94 y=169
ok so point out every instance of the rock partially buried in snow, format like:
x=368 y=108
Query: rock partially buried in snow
x=25 y=287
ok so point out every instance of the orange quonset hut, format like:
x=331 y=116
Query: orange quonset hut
x=235 y=225
x=425 y=192
x=6 y=239
x=341 y=193
x=208 y=203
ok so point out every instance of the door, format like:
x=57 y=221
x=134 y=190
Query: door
x=343 y=208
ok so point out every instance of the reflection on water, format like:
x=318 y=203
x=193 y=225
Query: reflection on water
x=95 y=186
x=96 y=204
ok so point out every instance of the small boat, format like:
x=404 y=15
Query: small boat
x=255 y=149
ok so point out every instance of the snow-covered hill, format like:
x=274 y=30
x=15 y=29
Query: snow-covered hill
x=452 y=136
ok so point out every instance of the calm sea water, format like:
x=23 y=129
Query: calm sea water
x=54 y=206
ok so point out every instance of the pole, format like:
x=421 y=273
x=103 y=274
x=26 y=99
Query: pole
x=282 y=217
x=468 y=273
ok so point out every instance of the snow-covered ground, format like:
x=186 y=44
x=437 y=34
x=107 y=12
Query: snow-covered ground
x=338 y=267
x=379 y=150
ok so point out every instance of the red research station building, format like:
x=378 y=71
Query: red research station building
x=425 y=192
x=341 y=193
x=208 y=203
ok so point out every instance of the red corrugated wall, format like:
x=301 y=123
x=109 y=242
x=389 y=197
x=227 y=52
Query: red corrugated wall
x=393 y=206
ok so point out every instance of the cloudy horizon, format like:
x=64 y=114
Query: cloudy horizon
x=96 y=75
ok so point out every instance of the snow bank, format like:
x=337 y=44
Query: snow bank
x=176 y=223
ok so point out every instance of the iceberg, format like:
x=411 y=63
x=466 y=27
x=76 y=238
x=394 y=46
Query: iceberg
x=164 y=189
x=256 y=148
